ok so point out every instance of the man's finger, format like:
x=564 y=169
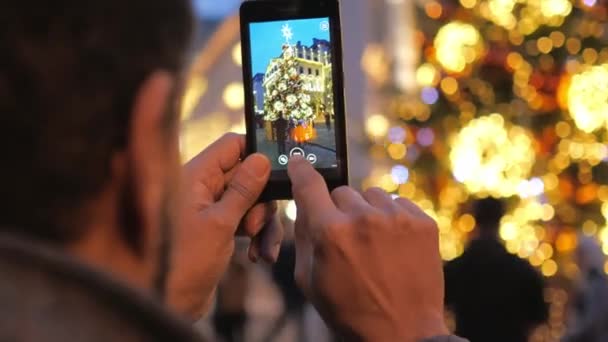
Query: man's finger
x=309 y=188
x=244 y=189
x=270 y=240
x=379 y=199
x=225 y=153
x=259 y=216
x=349 y=201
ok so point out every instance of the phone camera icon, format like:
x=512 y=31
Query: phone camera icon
x=283 y=159
x=324 y=26
x=296 y=151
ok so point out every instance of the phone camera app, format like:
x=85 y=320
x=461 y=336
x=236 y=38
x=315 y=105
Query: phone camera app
x=293 y=91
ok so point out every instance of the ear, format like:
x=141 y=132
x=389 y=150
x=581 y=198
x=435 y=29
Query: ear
x=149 y=159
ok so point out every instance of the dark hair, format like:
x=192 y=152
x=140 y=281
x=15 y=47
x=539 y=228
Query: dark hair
x=69 y=73
x=488 y=212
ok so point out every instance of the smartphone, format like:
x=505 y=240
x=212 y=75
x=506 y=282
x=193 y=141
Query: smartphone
x=294 y=94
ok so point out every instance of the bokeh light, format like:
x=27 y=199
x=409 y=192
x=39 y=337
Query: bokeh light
x=588 y=98
x=458 y=45
x=489 y=157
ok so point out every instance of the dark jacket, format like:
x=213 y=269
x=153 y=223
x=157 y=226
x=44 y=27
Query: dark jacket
x=48 y=296
x=495 y=296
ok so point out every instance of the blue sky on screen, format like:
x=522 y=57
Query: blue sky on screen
x=267 y=38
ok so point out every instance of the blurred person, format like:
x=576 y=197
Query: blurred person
x=103 y=237
x=230 y=315
x=588 y=321
x=292 y=298
x=494 y=295
x=280 y=126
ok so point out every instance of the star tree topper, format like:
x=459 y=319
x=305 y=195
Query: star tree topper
x=287 y=33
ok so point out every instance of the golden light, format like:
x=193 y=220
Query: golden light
x=234 y=97
x=458 y=45
x=555 y=8
x=237 y=57
x=427 y=75
x=588 y=98
x=549 y=268
x=377 y=126
x=397 y=151
x=197 y=87
x=449 y=85
x=468 y=3
x=489 y=157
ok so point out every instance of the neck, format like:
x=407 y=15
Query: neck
x=103 y=251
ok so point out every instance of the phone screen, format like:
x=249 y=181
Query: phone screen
x=292 y=85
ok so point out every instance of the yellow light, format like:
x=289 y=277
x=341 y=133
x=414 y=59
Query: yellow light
x=548 y=212
x=407 y=190
x=588 y=98
x=544 y=44
x=551 y=181
x=555 y=8
x=590 y=55
x=589 y=228
x=566 y=242
x=466 y=223
x=291 y=211
x=397 y=151
x=433 y=10
x=468 y=3
x=573 y=45
x=606 y=267
x=197 y=87
x=558 y=38
x=514 y=60
x=489 y=157
x=377 y=126
x=508 y=231
x=549 y=268
x=237 y=57
x=458 y=45
x=387 y=183
x=449 y=85
x=546 y=250
x=234 y=97
x=427 y=75
x=562 y=129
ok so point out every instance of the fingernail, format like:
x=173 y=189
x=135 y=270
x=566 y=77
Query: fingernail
x=260 y=165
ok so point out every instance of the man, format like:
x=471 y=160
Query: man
x=495 y=296
x=102 y=237
x=280 y=126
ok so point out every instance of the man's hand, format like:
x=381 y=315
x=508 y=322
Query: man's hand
x=370 y=264
x=219 y=192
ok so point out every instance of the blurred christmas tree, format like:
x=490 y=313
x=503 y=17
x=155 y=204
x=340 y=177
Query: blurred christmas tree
x=511 y=102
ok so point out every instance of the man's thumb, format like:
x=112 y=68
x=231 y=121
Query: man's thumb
x=244 y=189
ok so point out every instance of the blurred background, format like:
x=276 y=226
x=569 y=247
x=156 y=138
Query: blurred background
x=448 y=101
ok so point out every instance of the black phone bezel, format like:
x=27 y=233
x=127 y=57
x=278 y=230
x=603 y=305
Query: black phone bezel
x=279 y=186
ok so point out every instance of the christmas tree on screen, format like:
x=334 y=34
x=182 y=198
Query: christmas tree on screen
x=285 y=97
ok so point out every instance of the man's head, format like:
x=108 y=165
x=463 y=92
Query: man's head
x=88 y=126
x=488 y=212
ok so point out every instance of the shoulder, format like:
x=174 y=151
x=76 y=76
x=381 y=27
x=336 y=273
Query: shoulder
x=74 y=302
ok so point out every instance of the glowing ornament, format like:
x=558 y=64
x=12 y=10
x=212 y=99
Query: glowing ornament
x=458 y=45
x=490 y=158
x=588 y=98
